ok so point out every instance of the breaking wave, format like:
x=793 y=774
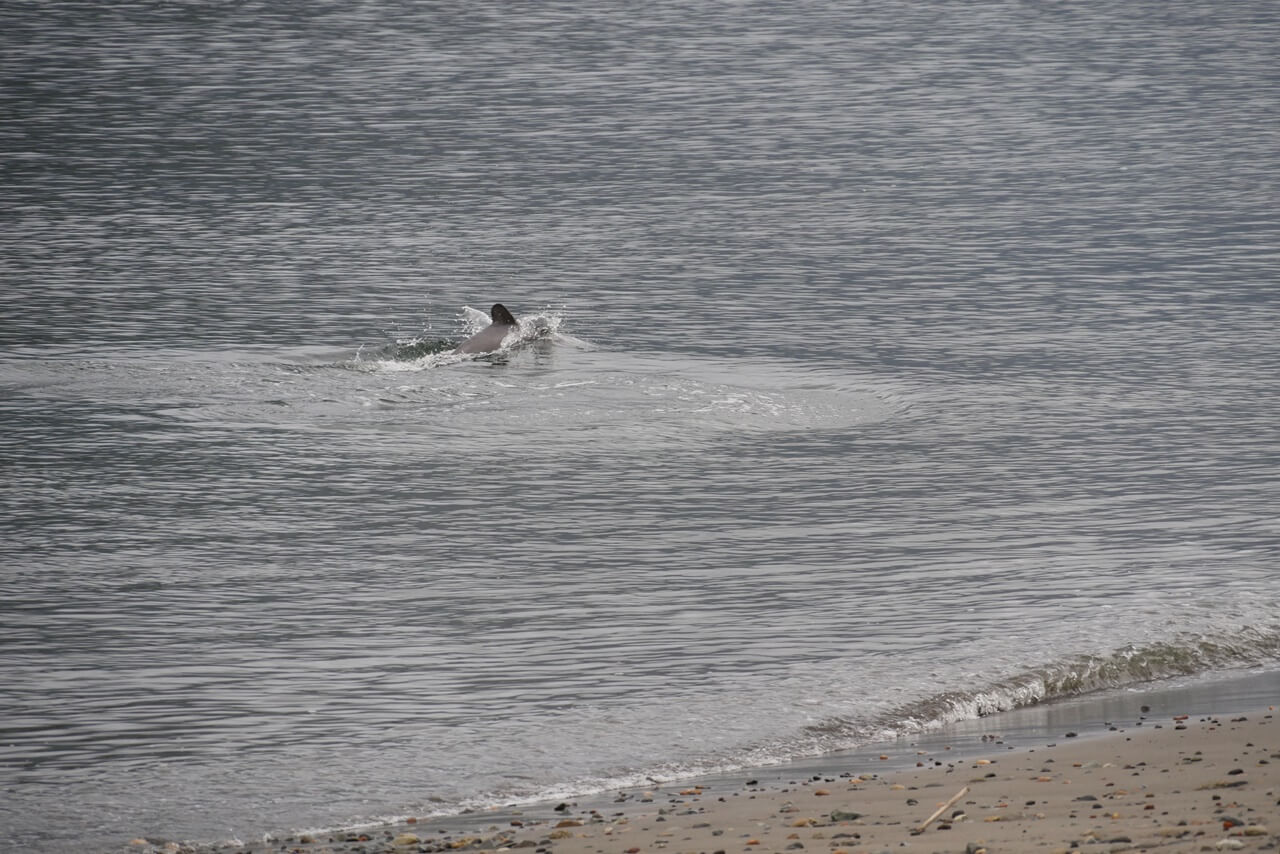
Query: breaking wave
x=1190 y=655
x=1081 y=674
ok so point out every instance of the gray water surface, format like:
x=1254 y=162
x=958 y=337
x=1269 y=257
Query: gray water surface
x=889 y=354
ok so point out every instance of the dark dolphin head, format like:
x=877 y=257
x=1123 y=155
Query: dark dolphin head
x=499 y=314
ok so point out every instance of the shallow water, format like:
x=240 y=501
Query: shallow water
x=896 y=364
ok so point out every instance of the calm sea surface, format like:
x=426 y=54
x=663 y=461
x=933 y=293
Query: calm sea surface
x=883 y=363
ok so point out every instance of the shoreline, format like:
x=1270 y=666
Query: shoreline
x=1024 y=768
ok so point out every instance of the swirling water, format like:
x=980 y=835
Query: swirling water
x=901 y=362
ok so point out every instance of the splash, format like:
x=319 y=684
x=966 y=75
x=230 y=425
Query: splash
x=426 y=352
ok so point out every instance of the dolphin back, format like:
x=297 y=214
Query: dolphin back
x=491 y=337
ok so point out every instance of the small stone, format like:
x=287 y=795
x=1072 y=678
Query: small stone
x=569 y=822
x=1229 y=845
x=405 y=839
x=1221 y=784
x=845 y=815
x=464 y=842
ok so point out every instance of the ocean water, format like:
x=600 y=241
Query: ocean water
x=881 y=365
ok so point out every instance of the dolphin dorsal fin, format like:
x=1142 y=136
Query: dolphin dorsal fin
x=499 y=314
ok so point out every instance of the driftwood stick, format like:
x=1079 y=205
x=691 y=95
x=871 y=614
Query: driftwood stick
x=940 y=810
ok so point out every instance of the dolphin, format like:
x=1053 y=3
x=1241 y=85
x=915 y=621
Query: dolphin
x=491 y=337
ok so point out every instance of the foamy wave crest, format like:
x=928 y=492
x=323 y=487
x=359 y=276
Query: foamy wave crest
x=1082 y=674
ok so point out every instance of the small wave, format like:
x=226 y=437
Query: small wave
x=1189 y=655
x=1082 y=674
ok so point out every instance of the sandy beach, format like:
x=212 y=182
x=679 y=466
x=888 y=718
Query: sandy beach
x=1166 y=783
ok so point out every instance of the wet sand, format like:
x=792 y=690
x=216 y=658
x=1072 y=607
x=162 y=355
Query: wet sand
x=1159 y=782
